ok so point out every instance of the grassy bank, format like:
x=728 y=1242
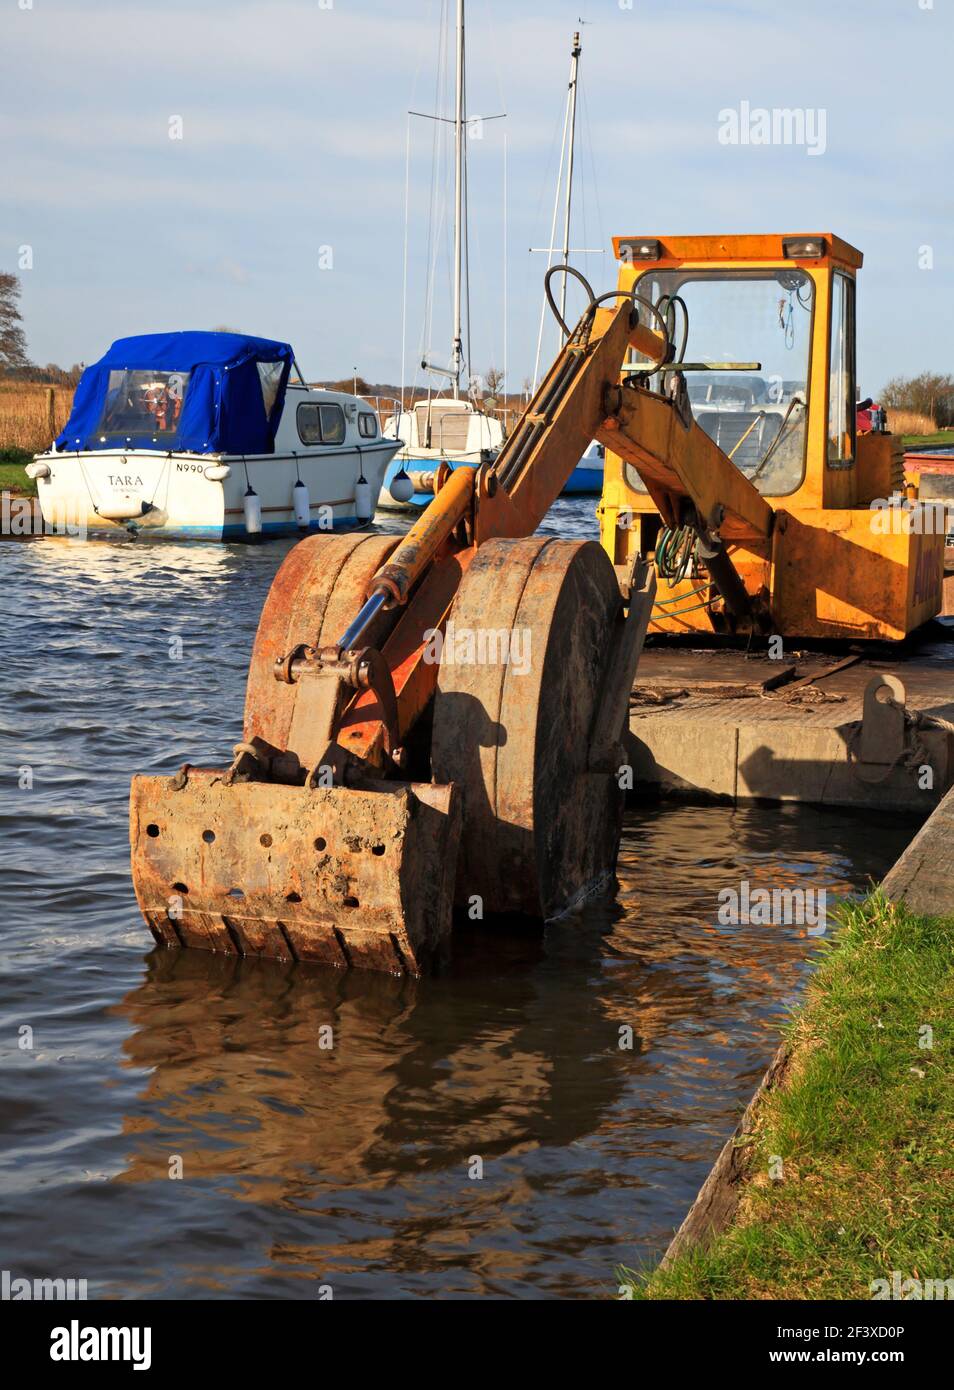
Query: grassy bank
x=937 y=440
x=12 y=476
x=863 y=1125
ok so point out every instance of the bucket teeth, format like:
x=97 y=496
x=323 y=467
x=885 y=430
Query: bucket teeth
x=344 y=876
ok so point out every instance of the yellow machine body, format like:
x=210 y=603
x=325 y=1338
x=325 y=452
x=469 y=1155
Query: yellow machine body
x=835 y=560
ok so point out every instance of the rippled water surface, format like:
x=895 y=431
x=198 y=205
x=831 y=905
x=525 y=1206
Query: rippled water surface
x=349 y=1167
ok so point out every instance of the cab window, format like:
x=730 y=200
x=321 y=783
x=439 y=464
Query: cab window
x=367 y=425
x=841 y=383
x=320 y=424
x=745 y=336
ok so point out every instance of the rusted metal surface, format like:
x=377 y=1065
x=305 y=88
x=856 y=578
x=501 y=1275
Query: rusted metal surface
x=343 y=876
x=267 y=858
x=406 y=651
x=315 y=594
x=541 y=829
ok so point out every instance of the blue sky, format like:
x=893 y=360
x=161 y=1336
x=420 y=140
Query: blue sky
x=294 y=139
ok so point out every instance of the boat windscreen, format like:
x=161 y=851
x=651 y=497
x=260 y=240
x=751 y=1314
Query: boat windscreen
x=143 y=403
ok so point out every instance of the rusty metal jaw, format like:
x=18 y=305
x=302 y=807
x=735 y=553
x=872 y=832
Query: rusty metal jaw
x=345 y=876
x=339 y=866
x=303 y=848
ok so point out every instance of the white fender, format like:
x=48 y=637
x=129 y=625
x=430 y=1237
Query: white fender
x=123 y=509
x=302 y=504
x=252 y=504
x=37 y=469
x=401 y=488
x=218 y=472
x=362 y=499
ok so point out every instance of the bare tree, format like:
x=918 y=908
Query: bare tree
x=493 y=380
x=13 y=348
x=928 y=394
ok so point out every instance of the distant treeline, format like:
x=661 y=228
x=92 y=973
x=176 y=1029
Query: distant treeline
x=930 y=395
x=50 y=375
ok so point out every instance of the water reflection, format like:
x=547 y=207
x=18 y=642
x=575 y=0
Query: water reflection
x=360 y=1155
x=349 y=1166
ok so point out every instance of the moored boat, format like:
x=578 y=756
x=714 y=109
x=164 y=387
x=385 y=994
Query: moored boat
x=435 y=432
x=455 y=429
x=204 y=436
x=586 y=480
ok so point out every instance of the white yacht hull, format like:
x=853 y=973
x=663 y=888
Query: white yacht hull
x=171 y=494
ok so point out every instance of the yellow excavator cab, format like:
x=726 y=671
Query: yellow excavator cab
x=763 y=334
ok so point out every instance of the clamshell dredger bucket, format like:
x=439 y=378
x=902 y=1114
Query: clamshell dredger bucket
x=377 y=787
x=301 y=850
x=253 y=860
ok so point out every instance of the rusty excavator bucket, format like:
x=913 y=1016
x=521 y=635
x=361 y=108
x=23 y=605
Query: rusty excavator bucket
x=300 y=851
x=279 y=855
x=430 y=721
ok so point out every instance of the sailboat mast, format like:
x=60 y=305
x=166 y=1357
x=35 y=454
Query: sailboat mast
x=458 y=351
x=571 y=98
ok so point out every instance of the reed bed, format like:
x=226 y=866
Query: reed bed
x=32 y=414
x=910 y=422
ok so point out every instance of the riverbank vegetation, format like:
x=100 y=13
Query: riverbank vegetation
x=851 y=1161
x=32 y=413
x=12 y=476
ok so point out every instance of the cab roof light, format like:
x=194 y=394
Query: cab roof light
x=645 y=249
x=803 y=248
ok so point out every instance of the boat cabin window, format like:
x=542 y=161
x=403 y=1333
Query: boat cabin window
x=367 y=425
x=747 y=350
x=320 y=424
x=143 y=402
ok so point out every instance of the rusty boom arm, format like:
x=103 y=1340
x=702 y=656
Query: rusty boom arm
x=687 y=475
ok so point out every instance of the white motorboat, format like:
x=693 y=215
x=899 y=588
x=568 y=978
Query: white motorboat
x=203 y=436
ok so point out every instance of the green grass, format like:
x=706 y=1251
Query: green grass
x=12 y=476
x=864 y=1126
x=928 y=440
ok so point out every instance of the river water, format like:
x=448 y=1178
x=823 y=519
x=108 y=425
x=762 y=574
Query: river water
x=351 y=1168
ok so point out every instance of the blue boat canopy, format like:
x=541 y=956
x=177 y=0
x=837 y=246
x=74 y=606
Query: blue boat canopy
x=197 y=392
